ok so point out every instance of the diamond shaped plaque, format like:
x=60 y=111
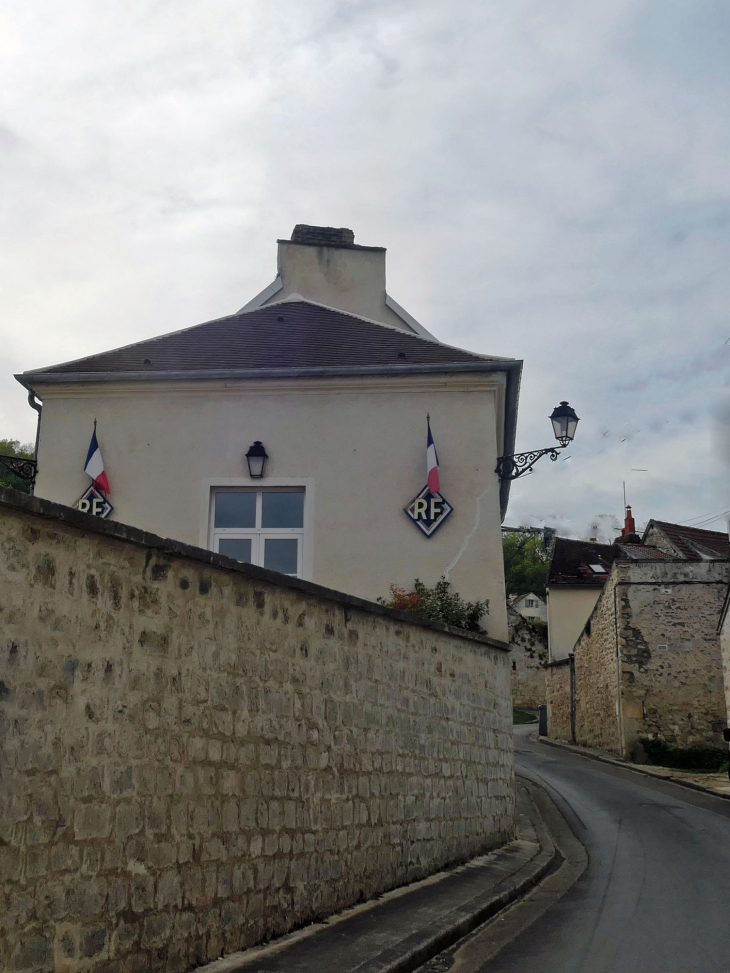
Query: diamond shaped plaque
x=95 y=503
x=428 y=511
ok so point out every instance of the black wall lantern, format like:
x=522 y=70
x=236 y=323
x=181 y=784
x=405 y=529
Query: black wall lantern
x=564 y=421
x=256 y=458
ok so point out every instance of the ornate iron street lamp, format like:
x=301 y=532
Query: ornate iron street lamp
x=564 y=421
x=256 y=458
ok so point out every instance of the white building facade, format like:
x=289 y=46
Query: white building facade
x=335 y=380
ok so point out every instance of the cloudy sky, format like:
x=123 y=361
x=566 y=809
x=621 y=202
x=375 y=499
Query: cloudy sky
x=552 y=182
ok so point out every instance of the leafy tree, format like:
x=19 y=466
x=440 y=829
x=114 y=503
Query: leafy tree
x=526 y=560
x=12 y=447
x=439 y=604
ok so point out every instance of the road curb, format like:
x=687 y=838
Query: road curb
x=585 y=752
x=497 y=901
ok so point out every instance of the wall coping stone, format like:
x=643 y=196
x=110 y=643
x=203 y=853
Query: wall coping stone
x=560 y=662
x=133 y=535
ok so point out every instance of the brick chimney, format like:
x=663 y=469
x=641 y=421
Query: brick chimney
x=629 y=523
x=628 y=531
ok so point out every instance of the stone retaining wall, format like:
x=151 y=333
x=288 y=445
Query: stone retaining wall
x=196 y=754
x=528 y=646
x=557 y=685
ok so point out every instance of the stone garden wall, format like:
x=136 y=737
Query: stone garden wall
x=197 y=754
x=529 y=651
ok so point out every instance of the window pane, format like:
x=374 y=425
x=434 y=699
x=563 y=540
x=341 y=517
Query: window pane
x=237 y=547
x=235 y=510
x=282 y=510
x=281 y=555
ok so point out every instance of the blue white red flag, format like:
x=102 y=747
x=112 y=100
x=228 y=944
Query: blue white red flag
x=432 y=463
x=95 y=465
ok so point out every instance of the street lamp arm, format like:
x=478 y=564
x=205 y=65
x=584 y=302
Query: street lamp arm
x=510 y=467
x=20 y=466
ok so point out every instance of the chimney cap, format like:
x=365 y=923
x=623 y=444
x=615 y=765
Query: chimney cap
x=326 y=236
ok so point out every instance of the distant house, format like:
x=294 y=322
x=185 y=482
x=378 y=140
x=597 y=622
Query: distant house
x=530 y=606
x=687 y=543
x=576 y=576
x=646 y=661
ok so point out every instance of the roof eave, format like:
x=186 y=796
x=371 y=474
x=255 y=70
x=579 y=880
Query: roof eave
x=511 y=366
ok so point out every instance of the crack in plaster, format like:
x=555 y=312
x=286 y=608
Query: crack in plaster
x=469 y=536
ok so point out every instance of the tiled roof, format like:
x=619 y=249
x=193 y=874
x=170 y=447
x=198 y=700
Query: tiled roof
x=640 y=552
x=290 y=334
x=693 y=542
x=571 y=560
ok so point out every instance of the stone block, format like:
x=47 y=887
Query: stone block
x=169 y=889
x=34 y=954
x=92 y=821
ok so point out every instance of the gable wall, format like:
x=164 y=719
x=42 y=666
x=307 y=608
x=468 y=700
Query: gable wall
x=655 y=537
x=358 y=443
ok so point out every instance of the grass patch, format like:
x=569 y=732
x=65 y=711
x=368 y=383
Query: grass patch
x=700 y=758
x=520 y=716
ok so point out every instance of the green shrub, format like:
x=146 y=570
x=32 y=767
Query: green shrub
x=700 y=757
x=439 y=604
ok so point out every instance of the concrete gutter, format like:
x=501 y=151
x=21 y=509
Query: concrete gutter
x=658 y=773
x=403 y=929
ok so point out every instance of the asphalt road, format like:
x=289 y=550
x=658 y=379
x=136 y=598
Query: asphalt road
x=655 y=896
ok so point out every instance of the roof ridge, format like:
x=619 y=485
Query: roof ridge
x=702 y=530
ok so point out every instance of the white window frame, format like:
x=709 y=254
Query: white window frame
x=209 y=486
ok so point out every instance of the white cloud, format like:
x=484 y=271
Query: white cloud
x=551 y=182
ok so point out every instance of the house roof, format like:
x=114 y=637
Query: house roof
x=571 y=560
x=639 y=552
x=286 y=335
x=293 y=338
x=529 y=594
x=692 y=542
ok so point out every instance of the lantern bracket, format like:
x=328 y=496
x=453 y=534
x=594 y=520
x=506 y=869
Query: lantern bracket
x=510 y=467
x=20 y=466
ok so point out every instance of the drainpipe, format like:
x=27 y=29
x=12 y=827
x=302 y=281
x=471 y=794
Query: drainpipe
x=35 y=404
x=619 y=708
x=572 y=697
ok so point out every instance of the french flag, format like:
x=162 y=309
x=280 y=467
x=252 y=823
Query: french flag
x=432 y=463
x=95 y=465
